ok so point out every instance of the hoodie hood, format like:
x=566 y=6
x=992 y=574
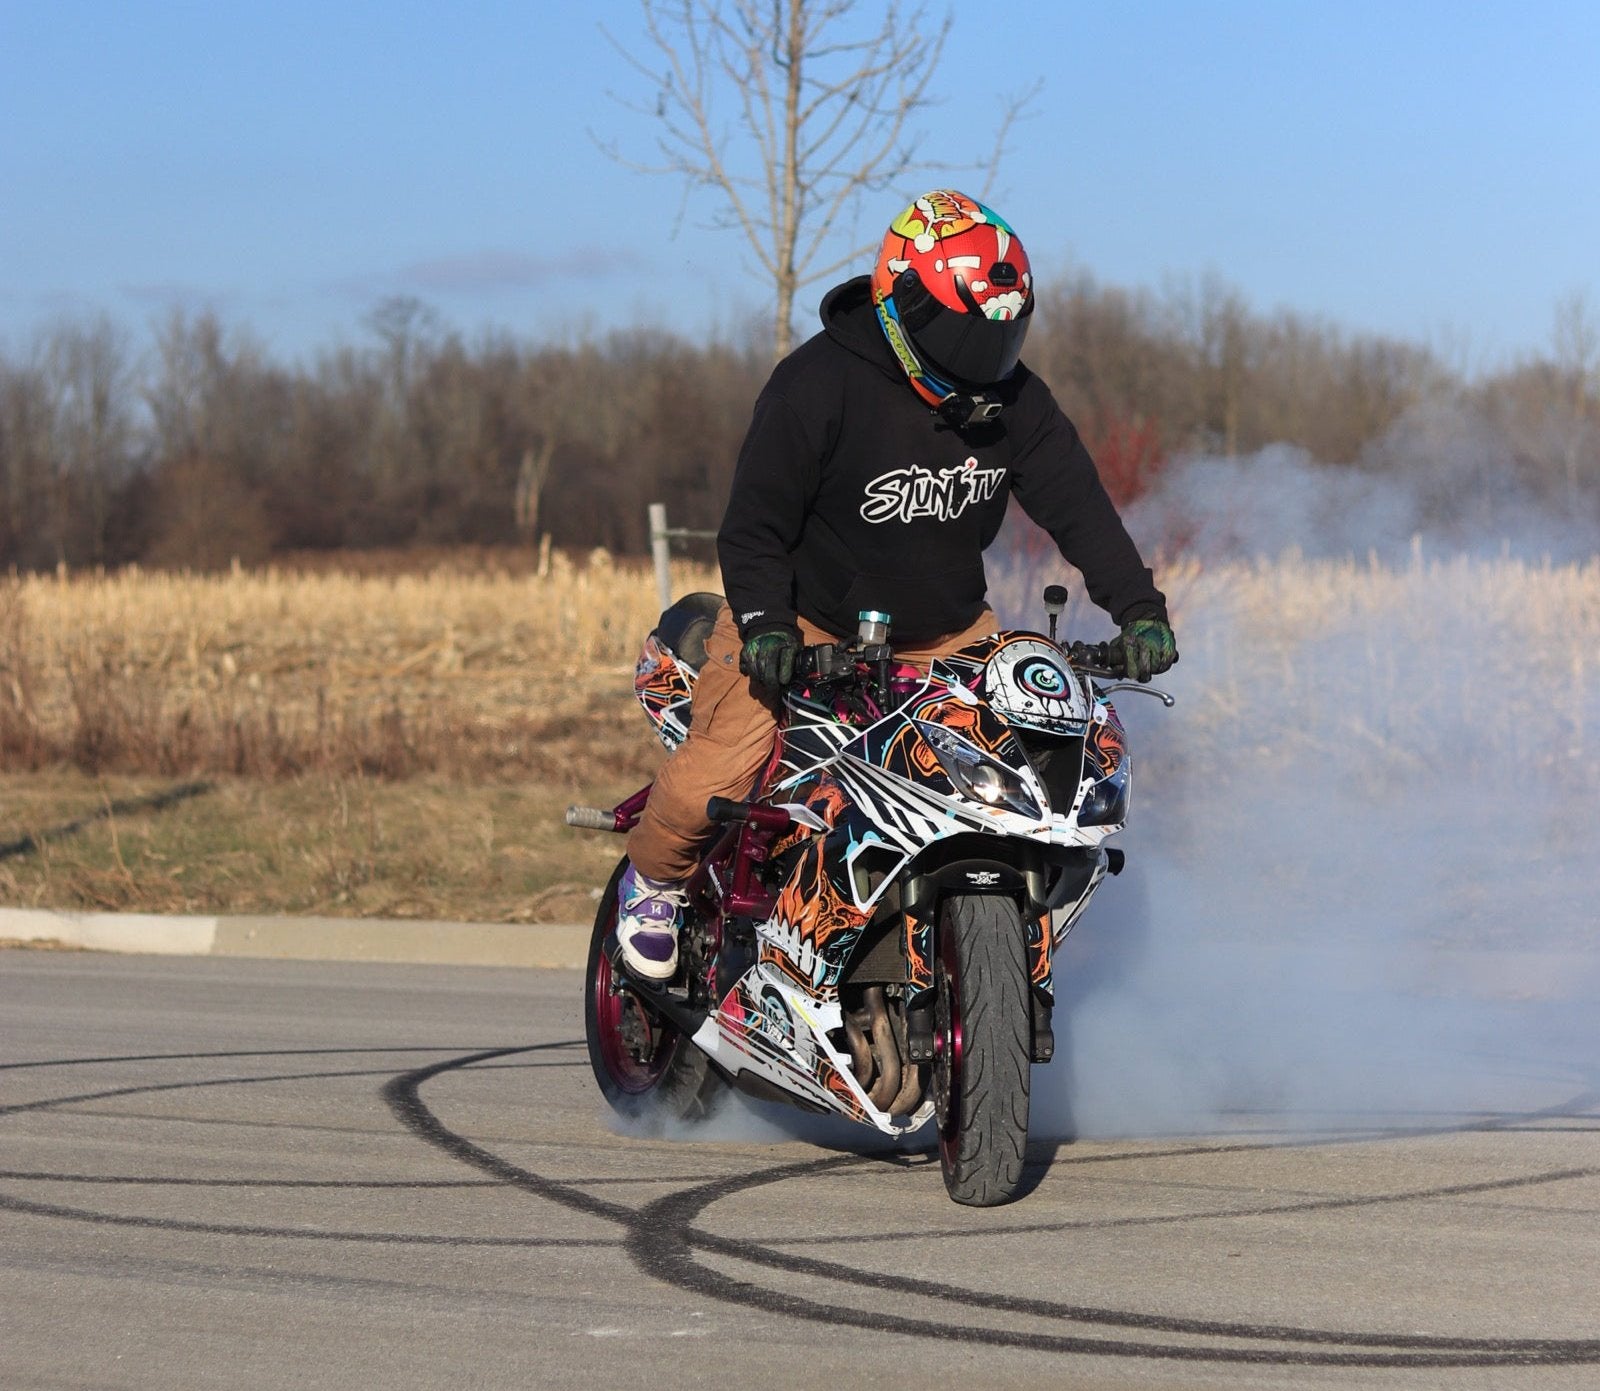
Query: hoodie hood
x=850 y=320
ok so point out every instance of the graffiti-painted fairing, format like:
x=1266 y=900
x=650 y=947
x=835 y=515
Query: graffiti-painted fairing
x=663 y=683
x=1012 y=700
x=1001 y=742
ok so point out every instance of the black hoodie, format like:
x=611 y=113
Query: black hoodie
x=851 y=494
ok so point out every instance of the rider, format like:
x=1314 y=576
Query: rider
x=876 y=470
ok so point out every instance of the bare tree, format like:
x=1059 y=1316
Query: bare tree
x=1576 y=341
x=822 y=103
x=408 y=332
x=1212 y=317
x=560 y=406
x=30 y=530
x=93 y=427
x=1577 y=360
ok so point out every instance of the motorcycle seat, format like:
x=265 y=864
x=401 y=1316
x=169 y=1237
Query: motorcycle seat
x=685 y=626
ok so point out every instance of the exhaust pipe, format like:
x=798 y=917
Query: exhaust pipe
x=885 y=1048
x=860 y=1052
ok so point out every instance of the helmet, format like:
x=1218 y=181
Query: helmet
x=954 y=293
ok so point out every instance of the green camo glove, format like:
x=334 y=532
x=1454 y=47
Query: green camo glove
x=769 y=655
x=1146 y=648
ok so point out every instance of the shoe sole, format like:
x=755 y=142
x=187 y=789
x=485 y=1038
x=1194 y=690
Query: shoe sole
x=646 y=967
x=650 y=970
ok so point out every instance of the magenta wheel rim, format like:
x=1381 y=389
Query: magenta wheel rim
x=623 y=1024
x=947 y=1048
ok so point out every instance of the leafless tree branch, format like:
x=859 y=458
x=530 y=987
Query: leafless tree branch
x=1015 y=109
x=819 y=107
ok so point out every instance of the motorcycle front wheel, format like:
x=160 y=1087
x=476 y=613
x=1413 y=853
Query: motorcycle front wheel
x=643 y=1063
x=981 y=1048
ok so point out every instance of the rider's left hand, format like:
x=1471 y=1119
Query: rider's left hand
x=1146 y=648
x=770 y=653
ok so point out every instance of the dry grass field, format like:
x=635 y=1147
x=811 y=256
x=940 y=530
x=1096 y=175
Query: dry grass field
x=384 y=742
x=401 y=742
x=466 y=673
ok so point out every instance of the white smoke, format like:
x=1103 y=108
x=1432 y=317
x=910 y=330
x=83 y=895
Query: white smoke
x=1362 y=868
x=1361 y=877
x=1442 y=481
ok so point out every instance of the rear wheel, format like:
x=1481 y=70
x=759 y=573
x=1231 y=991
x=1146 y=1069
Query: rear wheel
x=981 y=1048
x=643 y=1063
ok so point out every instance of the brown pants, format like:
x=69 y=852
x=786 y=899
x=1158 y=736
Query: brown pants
x=729 y=744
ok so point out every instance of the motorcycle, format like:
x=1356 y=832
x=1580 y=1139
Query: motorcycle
x=871 y=933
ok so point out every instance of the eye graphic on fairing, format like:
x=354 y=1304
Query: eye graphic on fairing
x=1041 y=678
x=1029 y=683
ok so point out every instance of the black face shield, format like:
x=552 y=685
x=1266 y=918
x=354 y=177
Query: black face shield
x=966 y=349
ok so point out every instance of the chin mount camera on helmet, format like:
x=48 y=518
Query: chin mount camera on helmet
x=959 y=411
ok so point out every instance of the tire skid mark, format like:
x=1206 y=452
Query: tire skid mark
x=161 y=1181
x=209 y=1057
x=63 y=1212
x=1165 y=1219
x=663 y=1242
x=764 y=1254
x=178 y=1224
x=50 y=1103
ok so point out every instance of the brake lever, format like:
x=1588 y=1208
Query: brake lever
x=1168 y=700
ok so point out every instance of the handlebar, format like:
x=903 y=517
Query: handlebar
x=863 y=684
x=834 y=661
x=837 y=662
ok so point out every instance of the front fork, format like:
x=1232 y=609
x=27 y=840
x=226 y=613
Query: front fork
x=919 y=950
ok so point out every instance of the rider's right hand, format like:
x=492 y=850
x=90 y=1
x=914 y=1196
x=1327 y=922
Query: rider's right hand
x=769 y=654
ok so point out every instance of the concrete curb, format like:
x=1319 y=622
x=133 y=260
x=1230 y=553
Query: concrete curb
x=1489 y=974
x=549 y=945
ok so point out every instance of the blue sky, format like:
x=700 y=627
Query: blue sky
x=1422 y=169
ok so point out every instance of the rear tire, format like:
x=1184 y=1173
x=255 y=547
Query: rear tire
x=981 y=1048
x=643 y=1064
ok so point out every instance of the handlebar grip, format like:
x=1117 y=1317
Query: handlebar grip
x=591 y=819
x=1093 y=655
x=723 y=809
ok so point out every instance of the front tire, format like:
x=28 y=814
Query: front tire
x=981 y=1048
x=643 y=1064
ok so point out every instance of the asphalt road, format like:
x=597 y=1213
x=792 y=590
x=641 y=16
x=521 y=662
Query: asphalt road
x=269 y=1174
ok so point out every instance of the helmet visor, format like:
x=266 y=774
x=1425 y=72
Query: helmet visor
x=971 y=350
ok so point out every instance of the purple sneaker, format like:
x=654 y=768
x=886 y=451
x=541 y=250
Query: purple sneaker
x=648 y=914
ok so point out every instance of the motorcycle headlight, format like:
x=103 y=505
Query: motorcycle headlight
x=977 y=776
x=1106 y=803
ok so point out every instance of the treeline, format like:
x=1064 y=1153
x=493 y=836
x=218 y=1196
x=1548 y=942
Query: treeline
x=1196 y=370
x=202 y=449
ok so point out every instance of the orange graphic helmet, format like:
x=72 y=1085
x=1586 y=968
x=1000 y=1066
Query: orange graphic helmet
x=954 y=293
